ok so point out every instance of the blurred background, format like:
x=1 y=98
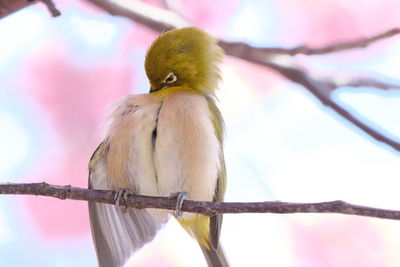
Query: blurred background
x=58 y=77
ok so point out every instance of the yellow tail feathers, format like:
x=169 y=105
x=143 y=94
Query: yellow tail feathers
x=199 y=228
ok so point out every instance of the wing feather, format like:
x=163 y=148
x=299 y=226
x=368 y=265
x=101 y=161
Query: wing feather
x=218 y=123
x=116 y=234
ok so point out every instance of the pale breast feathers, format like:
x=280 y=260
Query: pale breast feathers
x=187 y=150
x=130 y=161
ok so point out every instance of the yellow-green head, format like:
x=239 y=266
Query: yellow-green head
x=187 y=57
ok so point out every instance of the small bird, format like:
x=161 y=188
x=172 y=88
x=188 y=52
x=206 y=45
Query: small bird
x=168 y=142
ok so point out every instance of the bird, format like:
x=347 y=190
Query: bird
x=167 y=142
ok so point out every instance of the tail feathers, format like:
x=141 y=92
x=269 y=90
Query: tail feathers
x=215 y=257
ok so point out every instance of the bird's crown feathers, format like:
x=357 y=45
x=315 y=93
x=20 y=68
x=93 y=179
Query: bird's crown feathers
x=186 y=57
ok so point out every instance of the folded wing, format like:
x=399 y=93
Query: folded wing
x=116 y=234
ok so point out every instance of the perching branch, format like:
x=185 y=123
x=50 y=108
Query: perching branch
x=206 y=208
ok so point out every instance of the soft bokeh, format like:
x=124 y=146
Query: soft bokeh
x=58 y=77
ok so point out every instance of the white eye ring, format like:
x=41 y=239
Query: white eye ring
x=170 y=78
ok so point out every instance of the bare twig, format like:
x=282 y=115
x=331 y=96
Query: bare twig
x=52 y=8
x=305 y=50
x=351 y=81
x=8 y=7
x=338 y=47
x=206 y=208
x=156 y=18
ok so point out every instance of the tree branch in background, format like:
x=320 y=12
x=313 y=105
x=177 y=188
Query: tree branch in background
x=161 y=20
x=360 y=43
x=267 y=57
x=52 y=8
x=155 y=18
x=352 y=81
x=206 y=208
x=8 y=7
x=322 y=92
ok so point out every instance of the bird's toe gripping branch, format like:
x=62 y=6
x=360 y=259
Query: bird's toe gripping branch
x=122 y=193
x=180 y=197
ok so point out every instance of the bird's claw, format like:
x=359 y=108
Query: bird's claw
x=180 y=197
x=122 y=193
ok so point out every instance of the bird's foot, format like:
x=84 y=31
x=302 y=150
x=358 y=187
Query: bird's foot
x=122 y=193
x=180 y=197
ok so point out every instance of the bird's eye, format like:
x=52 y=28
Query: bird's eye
x=171 y=77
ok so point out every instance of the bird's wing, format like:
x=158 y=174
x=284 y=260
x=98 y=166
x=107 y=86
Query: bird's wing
x=116 y=234
x=216 y=221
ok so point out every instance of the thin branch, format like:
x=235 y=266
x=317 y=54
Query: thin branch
x=349 y=81
x=8 y=7
x=338 y=47
x=206 y=208
x=52 y=8
x=155 y=18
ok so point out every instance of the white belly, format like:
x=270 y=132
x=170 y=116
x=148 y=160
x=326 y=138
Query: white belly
x=186 y=149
